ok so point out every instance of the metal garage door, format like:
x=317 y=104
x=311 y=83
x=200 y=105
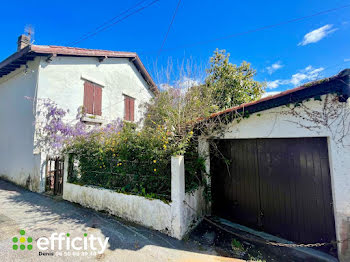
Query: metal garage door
x=281 y=186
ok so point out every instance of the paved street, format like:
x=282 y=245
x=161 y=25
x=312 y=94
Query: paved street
x=41 y=216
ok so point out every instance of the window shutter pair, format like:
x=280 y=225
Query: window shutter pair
x=129 y=108
x=92 y=98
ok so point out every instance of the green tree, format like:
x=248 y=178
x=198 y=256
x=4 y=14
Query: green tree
x=231 y=85
x=180 y=110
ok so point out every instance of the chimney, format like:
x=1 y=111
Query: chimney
x=22 y=42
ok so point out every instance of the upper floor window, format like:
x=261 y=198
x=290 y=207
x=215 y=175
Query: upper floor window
x=92 y=98
x=129 y=108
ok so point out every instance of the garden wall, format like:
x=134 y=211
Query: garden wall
x=151 y=213
x=174 y=218
x=195 y=208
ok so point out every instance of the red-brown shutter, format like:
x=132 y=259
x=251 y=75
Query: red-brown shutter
x=98 y=100
x=126 y=108
x=129 y=108
x=88 y=98
x=132 y=109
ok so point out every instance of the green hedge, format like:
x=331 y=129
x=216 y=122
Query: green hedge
x=131 y=161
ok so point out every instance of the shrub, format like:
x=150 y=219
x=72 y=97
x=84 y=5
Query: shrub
x=130 y=161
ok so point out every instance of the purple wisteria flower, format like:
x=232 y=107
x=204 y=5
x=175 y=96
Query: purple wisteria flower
x=61 y=132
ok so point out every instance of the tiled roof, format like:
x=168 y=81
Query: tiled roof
x=30 y=52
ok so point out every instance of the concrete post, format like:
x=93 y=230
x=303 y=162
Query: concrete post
x=43 y=163
x=177 y=196
x=65 y=171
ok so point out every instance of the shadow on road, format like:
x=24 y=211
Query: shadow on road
x=43 y=215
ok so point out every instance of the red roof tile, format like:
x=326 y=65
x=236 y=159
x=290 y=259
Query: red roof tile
x=27 y=53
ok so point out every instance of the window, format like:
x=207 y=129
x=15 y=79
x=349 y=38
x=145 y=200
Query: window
x=129 y=108
x=92 y=98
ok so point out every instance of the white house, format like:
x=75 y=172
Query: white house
x=109 y=84
x=287 y=167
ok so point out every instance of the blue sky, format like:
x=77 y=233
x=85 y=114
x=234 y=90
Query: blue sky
x=285 y=56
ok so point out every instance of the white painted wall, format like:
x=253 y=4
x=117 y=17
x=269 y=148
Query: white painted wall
x=274 y=123
x=62 y=80
x=194 y=209
x=175 y=218
x=17 y=161
x=151 y=213
x=186 y=208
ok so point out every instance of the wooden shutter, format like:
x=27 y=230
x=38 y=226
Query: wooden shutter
x=98 y=100
x=132 y=108
x=92 y=98
x=88 y=98
x=126 y=108
x=129 y=108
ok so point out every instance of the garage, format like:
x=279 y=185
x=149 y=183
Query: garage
x=281 y=164
x=278 y=185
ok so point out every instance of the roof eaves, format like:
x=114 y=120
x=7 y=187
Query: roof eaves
x=28 y=53
x=142 y=69
x=15 y=56
x=16 y=60
x=71 y=51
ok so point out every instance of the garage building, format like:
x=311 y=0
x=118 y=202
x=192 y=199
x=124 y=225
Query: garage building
x=282 y=164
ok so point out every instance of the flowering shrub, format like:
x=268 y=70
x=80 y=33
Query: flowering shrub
x=129 y=160
x=53 y=131
x=56 y=133
x=116 y=156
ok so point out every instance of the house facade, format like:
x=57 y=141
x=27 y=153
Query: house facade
x=109 y=85
x=287 y=164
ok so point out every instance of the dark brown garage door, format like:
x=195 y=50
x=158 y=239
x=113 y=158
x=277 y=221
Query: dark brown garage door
x=281 y=186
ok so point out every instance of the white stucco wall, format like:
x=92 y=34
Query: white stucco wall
x=195 y=208
x=62 y=81
x=175 y=218
x=150 y=213
x=274 y=123
x=17 y=161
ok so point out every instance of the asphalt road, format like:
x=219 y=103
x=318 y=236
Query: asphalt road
x=42 y=218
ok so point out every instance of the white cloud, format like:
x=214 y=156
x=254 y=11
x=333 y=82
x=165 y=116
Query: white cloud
x=347 y=60
x=274 y=67
x=307 y=74
x=269 y=94
x=274 y=84
x=183 y=84
x=308 y=68
x=297 y=78
x=317 y=34
x=187 y=82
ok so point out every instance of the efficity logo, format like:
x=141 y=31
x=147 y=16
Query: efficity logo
x=61 y=242
x=21 y=242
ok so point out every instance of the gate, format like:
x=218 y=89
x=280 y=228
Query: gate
x=281 y=186
x=54 y=175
